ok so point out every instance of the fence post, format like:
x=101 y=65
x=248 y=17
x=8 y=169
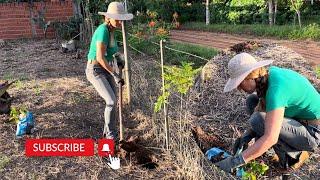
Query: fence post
x=164 y=104
x=127 y=63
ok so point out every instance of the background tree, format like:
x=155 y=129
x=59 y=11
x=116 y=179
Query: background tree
x=296 y=6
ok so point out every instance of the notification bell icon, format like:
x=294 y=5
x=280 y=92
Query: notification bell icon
x=105 y=148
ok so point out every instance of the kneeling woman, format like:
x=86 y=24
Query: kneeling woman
x=290 y=121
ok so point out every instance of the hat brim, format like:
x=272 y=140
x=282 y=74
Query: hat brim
x=122 y=17
x=233 y=83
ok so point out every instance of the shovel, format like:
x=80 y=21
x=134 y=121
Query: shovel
x=4 y=87
x=120 y=105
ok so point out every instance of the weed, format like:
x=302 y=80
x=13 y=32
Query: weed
x=15 y=112
x=4 y=160
x=8 y=76
x=19 y=84
x=318 y=71
x=78 y=98
x=37 y=90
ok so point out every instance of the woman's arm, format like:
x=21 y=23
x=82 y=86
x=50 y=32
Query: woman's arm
x=272 y=124
x=101 y=49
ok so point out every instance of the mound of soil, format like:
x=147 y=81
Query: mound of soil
x=139 y=154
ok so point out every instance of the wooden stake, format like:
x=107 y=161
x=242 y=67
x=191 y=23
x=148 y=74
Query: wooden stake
x=164 y=105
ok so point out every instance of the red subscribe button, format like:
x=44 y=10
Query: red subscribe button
x=59 y=147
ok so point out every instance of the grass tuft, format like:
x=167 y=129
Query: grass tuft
x=311 y=31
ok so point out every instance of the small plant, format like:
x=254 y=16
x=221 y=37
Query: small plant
x=178 y=79
x=4 y=160
x=17 y=112
x=318 y=71
x=37 y=90
x=41 y=21
x=67 y=30
x=255 y=170
x=19 y=84
x=152 y=14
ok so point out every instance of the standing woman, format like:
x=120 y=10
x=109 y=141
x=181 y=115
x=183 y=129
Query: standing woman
x=99 y=69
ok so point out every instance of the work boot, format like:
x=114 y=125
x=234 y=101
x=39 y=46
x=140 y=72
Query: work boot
x=275 y=158
x=297 y=163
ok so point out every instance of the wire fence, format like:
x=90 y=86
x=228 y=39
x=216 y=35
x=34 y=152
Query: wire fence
x=146 y=88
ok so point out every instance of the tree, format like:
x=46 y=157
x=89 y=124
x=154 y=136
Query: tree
x=296 y=6
x=270 y=5
x=273 y=6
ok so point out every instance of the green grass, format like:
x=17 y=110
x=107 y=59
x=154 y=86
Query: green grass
x=4 y=160
x=311 y=31
x=172 y=57
x=204 y=52
x=318 y=71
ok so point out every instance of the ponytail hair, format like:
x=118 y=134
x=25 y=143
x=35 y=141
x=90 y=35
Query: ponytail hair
x=260 y=76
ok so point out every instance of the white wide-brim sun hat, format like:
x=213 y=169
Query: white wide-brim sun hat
x=239 y=67
x=116 y=11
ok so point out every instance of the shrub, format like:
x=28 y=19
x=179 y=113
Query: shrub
x=67 y=30
x=312 y=31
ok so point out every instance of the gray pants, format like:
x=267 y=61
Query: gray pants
x=294 y=137
x=104 y=83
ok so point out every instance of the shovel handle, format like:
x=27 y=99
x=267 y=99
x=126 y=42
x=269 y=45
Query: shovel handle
x=120 y=107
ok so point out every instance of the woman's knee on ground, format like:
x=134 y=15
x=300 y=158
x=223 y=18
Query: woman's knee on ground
x=257 y=122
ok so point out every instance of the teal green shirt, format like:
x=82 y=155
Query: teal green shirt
x=102 y=34
x=294 y=92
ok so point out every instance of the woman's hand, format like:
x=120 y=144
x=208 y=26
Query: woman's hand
x=117 y=78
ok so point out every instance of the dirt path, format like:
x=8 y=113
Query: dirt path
x=308 y=49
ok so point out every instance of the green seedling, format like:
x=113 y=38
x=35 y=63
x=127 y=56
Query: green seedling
x=255 y=170
x=37 y=90
x=17 y=112
x=19 y=84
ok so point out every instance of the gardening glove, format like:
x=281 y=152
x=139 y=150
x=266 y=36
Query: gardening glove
x=242 y=142
x=119 y=59
x=231 y=163
x=117 y=78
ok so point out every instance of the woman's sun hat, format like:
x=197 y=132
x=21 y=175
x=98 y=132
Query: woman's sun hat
x=116 y=11
x=239 y=67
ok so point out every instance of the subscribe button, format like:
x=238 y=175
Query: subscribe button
x=59 y=147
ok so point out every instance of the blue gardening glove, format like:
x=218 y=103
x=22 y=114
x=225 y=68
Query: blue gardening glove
x=231 y=163
x=117 y=78
x=242 y=142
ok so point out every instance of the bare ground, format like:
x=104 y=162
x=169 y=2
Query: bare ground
x=53 y=86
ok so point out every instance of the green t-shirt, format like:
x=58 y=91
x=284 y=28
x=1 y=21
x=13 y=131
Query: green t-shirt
x=293 y=91
x=102 y=34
